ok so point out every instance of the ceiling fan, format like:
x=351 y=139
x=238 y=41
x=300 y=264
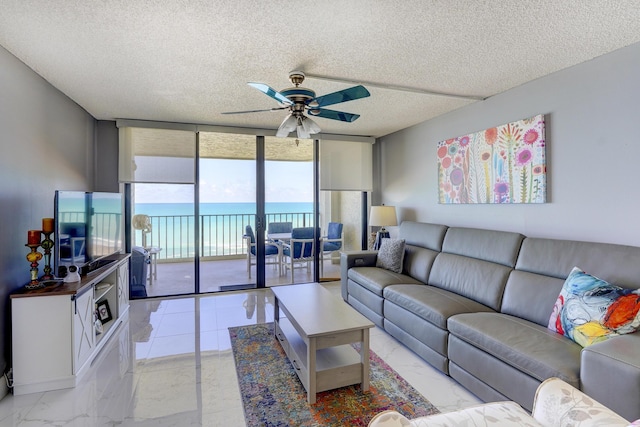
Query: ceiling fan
x=299 y=100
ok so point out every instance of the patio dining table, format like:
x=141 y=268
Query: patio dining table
x=285 y=237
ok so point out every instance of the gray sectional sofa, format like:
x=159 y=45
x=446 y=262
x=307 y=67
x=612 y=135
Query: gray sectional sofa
x=475 y=304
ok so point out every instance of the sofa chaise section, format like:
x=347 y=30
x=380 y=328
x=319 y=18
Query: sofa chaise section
x=508 y=354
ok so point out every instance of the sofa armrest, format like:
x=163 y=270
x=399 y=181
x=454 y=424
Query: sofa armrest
x=389 y=419
x=610 y=372
x=558 y=403
x=349 y=259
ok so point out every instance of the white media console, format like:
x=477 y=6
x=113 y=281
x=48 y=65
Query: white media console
x=55 y=335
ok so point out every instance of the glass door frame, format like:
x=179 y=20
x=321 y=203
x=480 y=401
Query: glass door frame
x=261 y=213
x=260 y=139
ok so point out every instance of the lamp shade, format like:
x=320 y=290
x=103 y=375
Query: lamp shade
x=381 y=216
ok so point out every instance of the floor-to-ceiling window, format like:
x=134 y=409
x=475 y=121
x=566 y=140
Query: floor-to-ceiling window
x=205 y=201
x=158 y=168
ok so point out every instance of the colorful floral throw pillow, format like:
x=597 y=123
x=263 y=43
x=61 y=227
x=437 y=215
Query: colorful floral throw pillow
x=589 y=310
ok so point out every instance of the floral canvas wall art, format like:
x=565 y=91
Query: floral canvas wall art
x=503 y=164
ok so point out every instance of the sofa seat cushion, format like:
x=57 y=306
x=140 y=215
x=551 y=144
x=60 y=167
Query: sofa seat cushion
x=530 y=348
x=430 y=303
x=375 y=279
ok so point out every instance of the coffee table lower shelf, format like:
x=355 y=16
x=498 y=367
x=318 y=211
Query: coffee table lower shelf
x=335 y=367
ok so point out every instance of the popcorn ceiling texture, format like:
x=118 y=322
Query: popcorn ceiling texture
x=188 y=61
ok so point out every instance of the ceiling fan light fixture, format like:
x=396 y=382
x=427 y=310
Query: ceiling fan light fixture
x=303 y=134
x=310 y=126
x=288 y=125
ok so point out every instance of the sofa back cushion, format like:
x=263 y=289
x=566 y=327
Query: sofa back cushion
x=544 y=264
x=475 y=279
x=500 y=247
x=423 y=234
x=617 y=264
x=423 y=243
x=530 y=296
x=418 y=262
x=476 y=263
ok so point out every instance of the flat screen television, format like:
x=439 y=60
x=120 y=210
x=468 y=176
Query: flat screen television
x=88 y=228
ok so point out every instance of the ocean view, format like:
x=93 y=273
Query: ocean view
x=222 y=225
x=162 y=209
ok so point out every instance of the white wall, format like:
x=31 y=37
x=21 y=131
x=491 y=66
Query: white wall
x=592 y=114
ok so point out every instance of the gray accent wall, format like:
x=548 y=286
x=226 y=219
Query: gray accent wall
x=592 y=114
x=46 y=144
x=106 y=159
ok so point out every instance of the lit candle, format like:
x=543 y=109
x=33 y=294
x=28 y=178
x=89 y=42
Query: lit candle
x=47 y=225
x=34 y=237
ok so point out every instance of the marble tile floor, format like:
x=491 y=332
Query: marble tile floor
x=170 y=364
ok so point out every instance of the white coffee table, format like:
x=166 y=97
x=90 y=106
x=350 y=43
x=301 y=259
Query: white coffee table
x=316 y=332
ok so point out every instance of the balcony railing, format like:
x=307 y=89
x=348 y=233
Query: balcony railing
x=221 y=235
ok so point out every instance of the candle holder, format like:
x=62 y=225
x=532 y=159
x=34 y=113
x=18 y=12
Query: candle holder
x=47 y=245
x=33 y=257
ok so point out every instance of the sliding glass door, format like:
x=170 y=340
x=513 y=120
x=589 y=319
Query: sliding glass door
x=227 y=183
x=248 y=187
x=289 y=213
x=158 y=169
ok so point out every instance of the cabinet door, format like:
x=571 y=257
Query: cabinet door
x=123 y=288
x=84 y=335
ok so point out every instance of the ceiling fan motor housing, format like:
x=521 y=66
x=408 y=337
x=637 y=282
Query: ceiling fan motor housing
x=300 y=96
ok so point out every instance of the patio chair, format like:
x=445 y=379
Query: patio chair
x=299 y=251
x=279 y=228
x=272 y=251
x=331 y=243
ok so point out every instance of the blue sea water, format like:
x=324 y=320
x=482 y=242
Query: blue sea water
x=162 y=209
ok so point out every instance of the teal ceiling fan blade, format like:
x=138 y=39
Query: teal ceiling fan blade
x=255 y=111
x=345 y=95
x=332 y=114
x=271 y=92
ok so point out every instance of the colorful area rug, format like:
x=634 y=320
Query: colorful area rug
x=273 y=395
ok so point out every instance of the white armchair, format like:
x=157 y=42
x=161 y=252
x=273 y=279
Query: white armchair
x=556 y=404
x=299 y=251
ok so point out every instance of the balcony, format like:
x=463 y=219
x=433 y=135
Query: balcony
x=223 y=253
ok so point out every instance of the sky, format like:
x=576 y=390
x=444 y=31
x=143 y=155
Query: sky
x=234 y=181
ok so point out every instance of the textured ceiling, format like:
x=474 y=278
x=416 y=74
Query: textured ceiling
x=189 y=61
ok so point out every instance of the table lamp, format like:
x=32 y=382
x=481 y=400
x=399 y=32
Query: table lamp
x=382 y=216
